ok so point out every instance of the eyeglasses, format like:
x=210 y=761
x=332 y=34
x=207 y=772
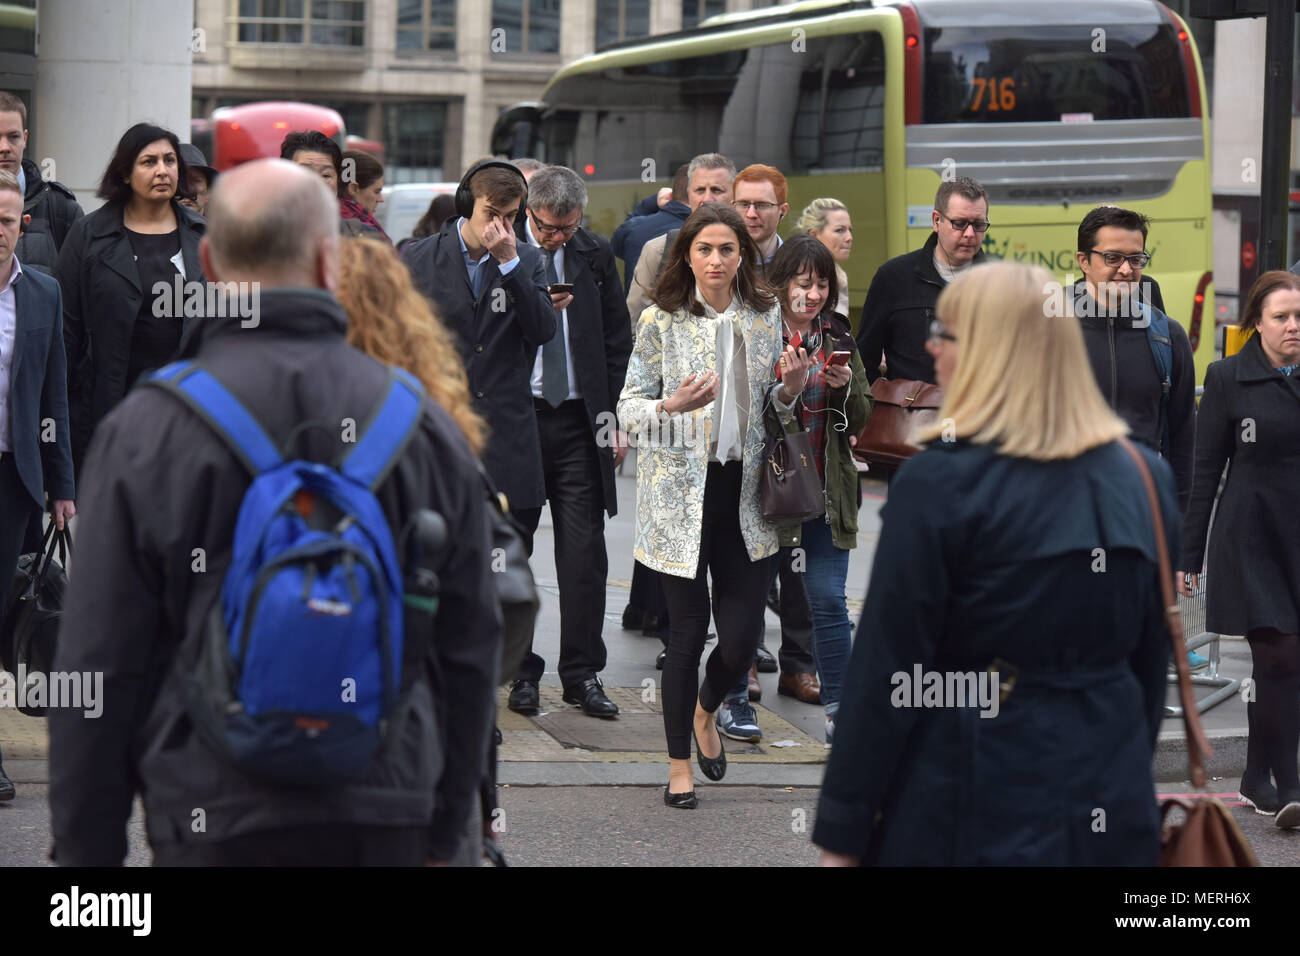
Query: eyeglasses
x=546 y=229
x=940 y=331
x=1113 y=259
x=961 y=225
x=743 y=205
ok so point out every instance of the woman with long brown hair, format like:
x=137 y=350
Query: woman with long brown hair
x=701 y=374
x=391 y=321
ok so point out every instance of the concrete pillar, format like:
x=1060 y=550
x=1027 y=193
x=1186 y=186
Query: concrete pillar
x=1238 y=113
x=103 y=67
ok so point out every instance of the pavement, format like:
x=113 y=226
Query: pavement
x=566 y=776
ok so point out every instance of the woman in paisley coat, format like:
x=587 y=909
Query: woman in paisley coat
x=700 y=376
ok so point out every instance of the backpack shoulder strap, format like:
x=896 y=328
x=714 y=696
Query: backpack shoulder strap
x=386 y=434
x=222 y=412
x=1162 y=351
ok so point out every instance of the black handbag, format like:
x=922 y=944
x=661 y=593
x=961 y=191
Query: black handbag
x=790 y=486
x=513 y=578
x=34 y=608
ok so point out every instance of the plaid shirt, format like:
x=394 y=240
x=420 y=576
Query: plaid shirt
x=814 y=396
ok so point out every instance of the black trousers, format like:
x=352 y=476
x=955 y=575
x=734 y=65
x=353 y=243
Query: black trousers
x=647 y=593
x=575 y=494
x=16 y=511
x=739 y=589
x=796 y=654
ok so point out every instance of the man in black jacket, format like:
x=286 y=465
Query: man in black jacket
x=576 y=380
x=52 y=205
x=154 y=544
x=900 y=303
x=490 y=290
x=1112 y=254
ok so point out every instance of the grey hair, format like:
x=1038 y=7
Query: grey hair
x=710 y=161
x=279 y=235
x=813 y=217
x=558 y=190
x=526 y=164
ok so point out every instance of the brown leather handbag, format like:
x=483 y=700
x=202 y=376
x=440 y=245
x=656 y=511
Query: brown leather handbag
x=1209 y=836
x=790 y=487
x=902 y=406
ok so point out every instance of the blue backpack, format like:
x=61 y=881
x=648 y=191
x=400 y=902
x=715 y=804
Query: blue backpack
x=299 y=662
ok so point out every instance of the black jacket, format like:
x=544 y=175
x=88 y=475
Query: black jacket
x=53 y=208
x=896 y=316
x=159 y=486
x=38 y=390
x=600 y=339
x=1121 y=360
x=101 y=299
x=497 y=335
x=1005 y=574
x=1249 y=419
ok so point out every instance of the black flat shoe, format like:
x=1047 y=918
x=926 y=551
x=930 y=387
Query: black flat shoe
x=659 y=661
x=764 y=661
x=633 y=618
x=715 y=768
x=682 y=801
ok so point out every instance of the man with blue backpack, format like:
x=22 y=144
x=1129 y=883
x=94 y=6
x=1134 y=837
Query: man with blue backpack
x=1142 y=359
x=283 y=572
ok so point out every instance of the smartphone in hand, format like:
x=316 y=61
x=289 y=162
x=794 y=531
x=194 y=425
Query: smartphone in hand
x=560 y=288
x=838 y=358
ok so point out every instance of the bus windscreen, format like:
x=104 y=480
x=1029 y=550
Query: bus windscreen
x=1053 y=74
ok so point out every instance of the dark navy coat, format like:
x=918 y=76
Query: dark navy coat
x=1042 y=570
x=1250 y=420
x=497 y=347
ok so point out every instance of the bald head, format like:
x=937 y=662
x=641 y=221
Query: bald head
x=272 y=222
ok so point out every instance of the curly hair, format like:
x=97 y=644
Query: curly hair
x=391 y=321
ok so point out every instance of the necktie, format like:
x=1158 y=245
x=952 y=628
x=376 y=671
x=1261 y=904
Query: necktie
x=555 y=372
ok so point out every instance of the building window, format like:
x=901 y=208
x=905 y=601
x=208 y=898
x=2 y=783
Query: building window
x=414 y=137
x=315 y=22
x=621 y=20
x=426 y=24
x=694 y=12
x=531 y=26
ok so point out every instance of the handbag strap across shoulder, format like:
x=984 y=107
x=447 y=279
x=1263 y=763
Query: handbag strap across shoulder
x=1198 y=746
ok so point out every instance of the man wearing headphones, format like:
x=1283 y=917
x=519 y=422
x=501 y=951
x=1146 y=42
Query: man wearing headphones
x=490 y=290
x=900 y=302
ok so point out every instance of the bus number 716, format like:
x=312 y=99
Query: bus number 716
x=1002 y=96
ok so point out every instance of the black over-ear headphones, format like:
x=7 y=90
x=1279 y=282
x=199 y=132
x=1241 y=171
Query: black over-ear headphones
x=465 y=196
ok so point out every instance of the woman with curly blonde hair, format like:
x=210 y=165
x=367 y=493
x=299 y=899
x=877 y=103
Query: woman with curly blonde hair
x=391 y=321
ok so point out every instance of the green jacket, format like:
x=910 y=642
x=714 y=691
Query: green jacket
x=842 y=497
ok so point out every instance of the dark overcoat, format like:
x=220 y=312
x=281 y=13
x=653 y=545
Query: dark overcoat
x=102 y=295
x=1046 y=573
x=1249 y=420
x=497 y=335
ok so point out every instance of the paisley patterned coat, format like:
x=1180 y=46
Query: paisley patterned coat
x=672 y=450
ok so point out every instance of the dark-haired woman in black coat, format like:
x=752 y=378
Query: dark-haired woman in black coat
x=1249 y=420
x=114 y=264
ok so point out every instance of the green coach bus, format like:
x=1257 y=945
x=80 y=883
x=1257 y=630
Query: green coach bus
x=1054 y=107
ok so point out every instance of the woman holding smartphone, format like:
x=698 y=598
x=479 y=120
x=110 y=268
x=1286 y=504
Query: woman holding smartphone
x=834 y=405
x=699 y=378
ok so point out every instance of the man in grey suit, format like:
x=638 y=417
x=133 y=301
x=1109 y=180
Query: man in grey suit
x=34 y=436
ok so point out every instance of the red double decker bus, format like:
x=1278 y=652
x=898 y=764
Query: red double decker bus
x=255 y=130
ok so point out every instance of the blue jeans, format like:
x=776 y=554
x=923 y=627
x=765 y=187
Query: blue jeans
x=824 y=576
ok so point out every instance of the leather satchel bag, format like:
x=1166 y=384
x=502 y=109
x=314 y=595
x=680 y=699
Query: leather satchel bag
x=35 y=609
x=513 y=580
x=790 y=486
x=1209 y=836
x=902 y=406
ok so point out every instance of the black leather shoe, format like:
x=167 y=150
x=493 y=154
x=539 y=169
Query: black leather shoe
x=524 y=698
x=591 y=698
x=651 y=626
x=682 y=801
x=633 y=618
x=766 y=662
x=7 y=790
x=659 y=661
x=715 y=768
